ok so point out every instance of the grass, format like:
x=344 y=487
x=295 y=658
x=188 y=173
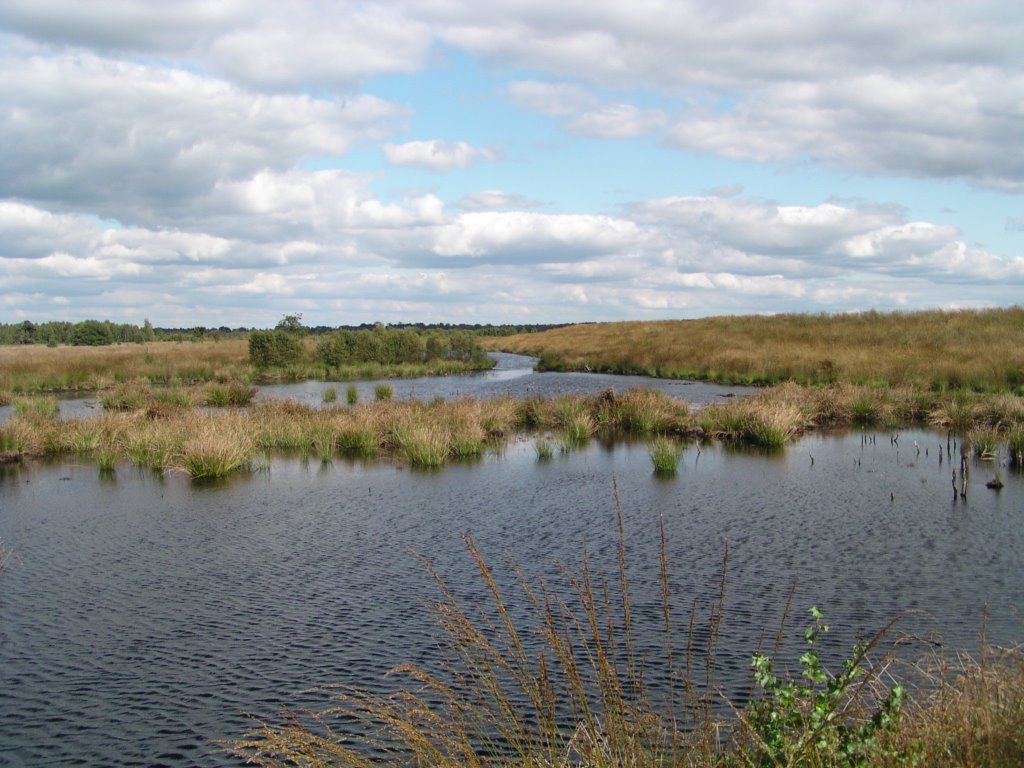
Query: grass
x=351 y=394
x=153 y=431
x=550 y=676
x=383 y=392
x=665 y=454
x=939 y=351
x=28 y=369
x=330 y=394
x=41 y=407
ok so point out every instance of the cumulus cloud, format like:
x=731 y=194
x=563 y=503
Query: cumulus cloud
x=438 y=155
x=125 y=140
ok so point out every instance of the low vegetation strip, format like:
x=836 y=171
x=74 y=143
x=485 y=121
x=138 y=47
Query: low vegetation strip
x=152 y=427
x=942 y=351
x=36 y=368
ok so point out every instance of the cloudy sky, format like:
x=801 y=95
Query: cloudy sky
x=225 y=162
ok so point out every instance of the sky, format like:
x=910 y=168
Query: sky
x=228 y=162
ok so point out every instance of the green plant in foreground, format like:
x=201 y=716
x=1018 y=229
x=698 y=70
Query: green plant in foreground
x=820 y=719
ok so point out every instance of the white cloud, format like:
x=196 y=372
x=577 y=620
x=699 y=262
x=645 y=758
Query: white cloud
x=142 y=144
x=438 y=155
x=617 y=121
x=533 y=237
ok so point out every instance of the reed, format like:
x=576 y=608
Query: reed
x=219 y=445
x=330 y=394
x=351 y=394
x=1015 y=445
x=665 y=455
x=545 y=451
x=383 y=392
x=422 y=445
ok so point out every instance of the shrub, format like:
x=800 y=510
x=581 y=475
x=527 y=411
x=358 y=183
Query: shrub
x=274 y=348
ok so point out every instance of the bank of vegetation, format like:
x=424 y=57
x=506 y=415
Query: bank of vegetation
x=966 y=350
x=286 y=353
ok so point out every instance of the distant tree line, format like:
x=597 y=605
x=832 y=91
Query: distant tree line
x=87 y=333
x=387 y=345
x=101 y=332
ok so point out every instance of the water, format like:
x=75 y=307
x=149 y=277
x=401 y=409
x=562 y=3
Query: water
x=512 y=374
x=142 y=618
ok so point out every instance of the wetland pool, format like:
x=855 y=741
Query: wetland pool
x=143 y=617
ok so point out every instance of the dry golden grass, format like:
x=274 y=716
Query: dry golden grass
x=979 y=350
x=37 y=368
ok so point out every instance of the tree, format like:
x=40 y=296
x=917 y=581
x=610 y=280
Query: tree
x=291 y=324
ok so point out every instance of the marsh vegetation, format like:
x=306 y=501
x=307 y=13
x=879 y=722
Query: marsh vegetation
x=972 y=350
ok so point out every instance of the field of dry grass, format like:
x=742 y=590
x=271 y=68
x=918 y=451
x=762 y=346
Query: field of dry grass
x=971 y=350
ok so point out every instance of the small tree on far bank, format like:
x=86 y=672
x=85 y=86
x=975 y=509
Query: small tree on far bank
x=274 y=348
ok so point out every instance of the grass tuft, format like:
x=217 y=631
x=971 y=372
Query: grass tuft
x=665 y=455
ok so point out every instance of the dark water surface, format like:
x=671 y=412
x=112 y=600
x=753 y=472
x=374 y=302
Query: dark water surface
x=141 y=617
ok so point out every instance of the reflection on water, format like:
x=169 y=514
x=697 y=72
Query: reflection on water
x=142 y=617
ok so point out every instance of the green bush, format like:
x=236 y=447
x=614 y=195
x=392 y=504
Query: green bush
x=274 y=348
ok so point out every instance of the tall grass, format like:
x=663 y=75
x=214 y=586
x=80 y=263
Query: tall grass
x=665 y=454
x=939 y=351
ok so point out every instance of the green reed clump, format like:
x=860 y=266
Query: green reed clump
x=665 y=455
x=330 y=394
x=984 y=442
x=358 y=440
x=232 y=394
x=131 y=396
x=383 y=392
x=1015 y=445
x=215 y=449
x=40 y=407
x=351 y=394
x=422 y=445
x=958 y=412
x=543 y=447
x=106 y=456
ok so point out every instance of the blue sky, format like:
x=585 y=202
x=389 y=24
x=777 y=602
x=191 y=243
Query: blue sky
x=226 y=163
